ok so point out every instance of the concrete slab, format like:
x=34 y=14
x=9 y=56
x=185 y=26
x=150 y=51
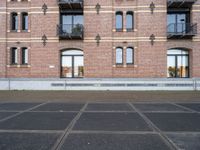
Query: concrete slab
x=193 y=106
x=60 y=107
x=27 y=141
x=109 y=107
x=114 y=142
x=6 y=114
x=186 y=141
x=158 y=107
x=111 y=122
x=16 y=106
x=175 y=121
x=39 y=121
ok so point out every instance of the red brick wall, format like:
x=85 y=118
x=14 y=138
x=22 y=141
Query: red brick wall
x=99 y=61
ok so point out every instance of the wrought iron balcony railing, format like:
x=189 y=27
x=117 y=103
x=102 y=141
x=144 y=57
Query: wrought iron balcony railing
x=70 y=4
x=181 y=30
x=70 y=31
x=180 y=3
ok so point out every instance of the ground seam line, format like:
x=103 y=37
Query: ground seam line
x=21 y=112
x=171 y=145
x=66 y=132
x=186 y=108
x=31 y=131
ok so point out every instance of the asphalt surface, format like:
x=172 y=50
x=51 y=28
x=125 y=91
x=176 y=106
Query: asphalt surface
x=99 y=125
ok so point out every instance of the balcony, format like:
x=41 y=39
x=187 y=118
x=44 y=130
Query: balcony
x=180 y=3
x=70 y=31
x=70 y=4
x=181 y=30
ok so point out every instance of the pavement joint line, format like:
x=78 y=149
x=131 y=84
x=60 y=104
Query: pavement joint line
x=67 y=131
x=21 y=112
x=55 y=111
x=106 y=102
x=150 y=102
x=110 y=132
x=9 y=111
x=174 y=112
x=182 y=132
x=109 y=111
x=165 y=139
x=31 y=131
x=189 y=109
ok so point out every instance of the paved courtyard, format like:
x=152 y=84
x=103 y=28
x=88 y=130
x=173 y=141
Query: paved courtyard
x=99 y=126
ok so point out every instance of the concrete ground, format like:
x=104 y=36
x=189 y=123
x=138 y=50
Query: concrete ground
x=99 y=96
x=99 y=120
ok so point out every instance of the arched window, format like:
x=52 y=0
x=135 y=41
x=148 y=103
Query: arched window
x=13 y=56
x=24 y=56
x=119 y=21
x=25 y=21
x=177 y=63
x=119 y=55
x=129 y=55
x=129 y=21
x=14 y=21
x=72 y=64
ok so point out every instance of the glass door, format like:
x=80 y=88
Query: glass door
x=181 y=23
x=78 y=66
x=72 y=64
x=171 y=63
x=177 y=64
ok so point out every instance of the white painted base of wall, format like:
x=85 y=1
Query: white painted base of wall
x=101 y=84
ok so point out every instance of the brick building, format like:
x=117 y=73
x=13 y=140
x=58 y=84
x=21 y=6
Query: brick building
x=99 y=38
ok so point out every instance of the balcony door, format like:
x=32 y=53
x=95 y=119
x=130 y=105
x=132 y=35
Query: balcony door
x=70 y=22
x=178 y=63
x=72 y=64
x=177 y=22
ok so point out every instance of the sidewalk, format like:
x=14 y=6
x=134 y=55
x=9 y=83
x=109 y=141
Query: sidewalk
x=98 y=96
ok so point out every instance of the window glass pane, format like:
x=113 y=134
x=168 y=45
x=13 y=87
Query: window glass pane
x=78 y=19
x=119 y=56
x=185 y=64
x=14 y=21
x=182 y=66
x=78 y=66
x=119 y=21
x=72 y=52
x=67 y=23
x=171 y=65
x=129 y=56
x=24 y=21
x=177 y=51
x=25 y=18
x=171 y=20
x=66 y=66
x=129 y=21
x=14 y=56
x=24 y=56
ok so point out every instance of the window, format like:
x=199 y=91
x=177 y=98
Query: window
x=72 y=64
x=177 y=63
x=129 y=21
x=13 y=55
x=14 y=22
x=25 y=21
x=24 y=56
x=177 y=22
x=72 y=23
x=119 y=21
x=129 y=55
x=119 y=55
